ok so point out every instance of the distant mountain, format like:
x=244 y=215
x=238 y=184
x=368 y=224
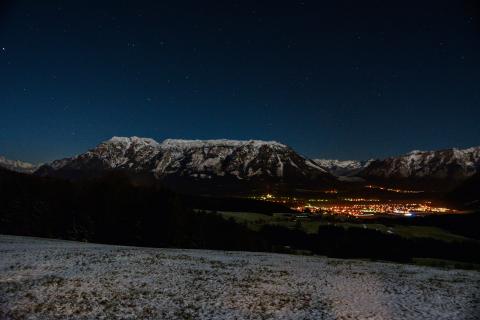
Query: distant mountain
x=342 y=168
x=441 y=169
x=17 y=166
x=133 y=154
x=232 y=166
x=198 y=164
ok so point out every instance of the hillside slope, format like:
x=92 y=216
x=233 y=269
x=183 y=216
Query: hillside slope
x=64 y=279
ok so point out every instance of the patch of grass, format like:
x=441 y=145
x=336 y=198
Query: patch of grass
x=255 y=221
x=427 y=232
x=246 y=216
x=409 y=231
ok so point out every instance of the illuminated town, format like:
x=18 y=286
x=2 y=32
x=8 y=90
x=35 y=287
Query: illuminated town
x=393 y=189
x=359 y=207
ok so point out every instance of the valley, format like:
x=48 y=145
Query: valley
x=360 y=207
x=251 y=195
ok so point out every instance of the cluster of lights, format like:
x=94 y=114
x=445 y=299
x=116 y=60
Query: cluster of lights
x=392 y=190
x=406 y=209
x=360 y=200
x=357 y=206
x=272 y=198
x=333 y=191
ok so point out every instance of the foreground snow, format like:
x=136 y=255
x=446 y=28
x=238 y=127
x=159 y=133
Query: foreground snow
x=50 y=279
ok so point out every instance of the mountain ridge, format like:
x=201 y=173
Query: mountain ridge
x=225 y=161
x=343 y=168
x=438 y=169
x=17 y=165
x=183 y=162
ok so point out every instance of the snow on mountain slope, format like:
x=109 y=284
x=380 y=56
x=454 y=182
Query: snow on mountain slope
x=342 y=167
x=17 y=166
x=188 y=144
x=453 y=164
x=117 y=153
x=196 y=159
x=241 y=159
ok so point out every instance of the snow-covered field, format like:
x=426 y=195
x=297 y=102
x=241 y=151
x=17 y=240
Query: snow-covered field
x=51 y=279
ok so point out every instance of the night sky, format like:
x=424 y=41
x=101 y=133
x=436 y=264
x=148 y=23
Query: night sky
x=333 y=79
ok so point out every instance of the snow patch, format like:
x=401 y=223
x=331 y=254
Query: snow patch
x=58 y=279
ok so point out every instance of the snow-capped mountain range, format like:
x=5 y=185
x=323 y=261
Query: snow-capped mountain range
x=17 y=166
x=342 y=168
x=194 y=160
x=452 y=164
x=222 y=162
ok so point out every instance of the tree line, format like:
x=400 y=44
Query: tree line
x=113 y=210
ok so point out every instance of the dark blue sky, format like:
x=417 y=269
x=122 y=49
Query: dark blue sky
x=335 y=79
